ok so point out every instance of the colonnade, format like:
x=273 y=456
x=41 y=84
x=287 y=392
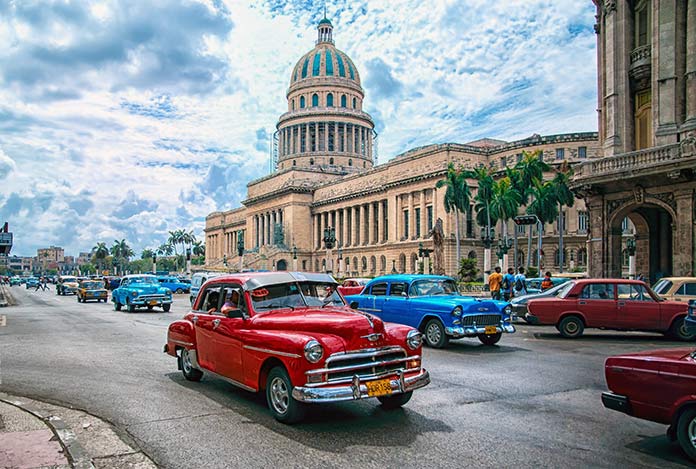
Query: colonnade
x=263 y=224
x=325 y=136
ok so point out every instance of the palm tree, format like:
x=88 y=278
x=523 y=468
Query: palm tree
x=457 y=197
x=147 y=253
x=515 y=177
x=165 y=249
x=505 y=201
x=531 y=167
x=484 y=216
x=198 y=248
x=544 y=205
x=99 y=253
x=565 y=198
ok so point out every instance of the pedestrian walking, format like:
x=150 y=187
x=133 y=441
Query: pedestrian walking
x=508 y=282
x=494 y=283
x=520 y=284
x=44 y=284
x=546 y=283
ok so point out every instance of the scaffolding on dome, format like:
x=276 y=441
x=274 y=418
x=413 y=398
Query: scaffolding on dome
x=273 y=150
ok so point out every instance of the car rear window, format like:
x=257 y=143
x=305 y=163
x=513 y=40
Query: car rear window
x=687 y=289
x=379 y=289
x=397 y=288
x=598 y=291
x=662 y=287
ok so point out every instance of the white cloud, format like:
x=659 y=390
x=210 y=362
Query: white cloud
x=139 y=121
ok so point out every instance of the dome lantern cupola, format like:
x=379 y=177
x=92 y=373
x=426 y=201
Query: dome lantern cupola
x=324 y=31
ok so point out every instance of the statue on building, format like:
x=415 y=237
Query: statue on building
x=438 y=235
x=278 y=235
x=688 y=145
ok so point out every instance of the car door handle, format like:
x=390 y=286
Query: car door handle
x=582 y=302
x=216 y=323
x=622 y=303
x=194 y=319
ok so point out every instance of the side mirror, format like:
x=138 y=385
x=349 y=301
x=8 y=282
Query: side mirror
x=354 y=304
x=404 y=294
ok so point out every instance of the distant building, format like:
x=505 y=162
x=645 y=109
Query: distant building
x=20 y=264
x=5 y=244
x=84 y=258
x=50 y=258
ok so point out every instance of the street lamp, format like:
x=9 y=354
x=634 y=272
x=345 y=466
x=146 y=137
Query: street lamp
x=504 y=246
x=294 y=258
x=631 y=250
x=393 y=271
x=240 y=248
x=329 y=241
x=487 y=237
x=224 y=260
x=340 y=259
x=188 y=261
x=421 y=259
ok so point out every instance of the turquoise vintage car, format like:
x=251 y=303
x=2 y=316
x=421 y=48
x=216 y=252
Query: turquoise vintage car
x=141 y=291
x=433 y=305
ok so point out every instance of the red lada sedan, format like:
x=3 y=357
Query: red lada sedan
x=660 y=386
x=610 y=304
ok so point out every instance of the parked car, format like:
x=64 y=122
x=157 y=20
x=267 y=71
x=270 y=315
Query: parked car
x=15 y=281
x=657 y=385
x=352 y=286
x=141 y=291
x=67 y=285
x=91 y=290
x=198 y=279
x=690 y=321
x=31 y=282
x=291 y=336
x=609 y=304
x=432 y=304
x=534 y=284
x=519 y=303
x=676 y=288
x=174 y=284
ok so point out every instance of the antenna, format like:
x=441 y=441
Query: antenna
x=324 y=9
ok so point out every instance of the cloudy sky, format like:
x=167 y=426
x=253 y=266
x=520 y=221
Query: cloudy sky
x=129 y=118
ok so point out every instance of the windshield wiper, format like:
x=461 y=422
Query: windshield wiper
x=276 y=306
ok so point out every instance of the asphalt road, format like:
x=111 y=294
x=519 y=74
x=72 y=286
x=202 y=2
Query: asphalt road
x=531 y=401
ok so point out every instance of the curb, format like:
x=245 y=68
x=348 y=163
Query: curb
x=73 y=450
x=6 y=298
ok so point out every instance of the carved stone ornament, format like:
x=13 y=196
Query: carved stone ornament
x=639 y=194
x=687 y=147
x=668 y=198
x=612 y=205
x=609 y=6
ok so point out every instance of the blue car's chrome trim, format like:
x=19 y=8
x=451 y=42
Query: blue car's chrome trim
x=471 y=331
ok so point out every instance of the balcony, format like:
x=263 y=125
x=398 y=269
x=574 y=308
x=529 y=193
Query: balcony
x=640 y=65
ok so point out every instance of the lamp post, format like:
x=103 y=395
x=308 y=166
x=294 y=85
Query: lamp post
x=487 y=237
x=504 y=246
x=294 y=258
x=329 y=241
x=188 y=261
x=421 y=256
x=393 y=271
x=224 y=260
x=340 y=260
x=240 y=248
x=154 y=264
x=631 y=249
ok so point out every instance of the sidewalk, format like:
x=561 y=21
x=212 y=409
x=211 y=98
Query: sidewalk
x=6 y=298
x=36 y=434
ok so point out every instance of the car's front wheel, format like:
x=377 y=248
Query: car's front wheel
x=571 y=327
x=179 y=291
x=435 y=334
x=131 y=307
x=686 y=432
x=394 y=402
x=166 y=308
x=279 y=397
x=187 y=369
x=490 y=339
x=117 y=305
x=678 y=331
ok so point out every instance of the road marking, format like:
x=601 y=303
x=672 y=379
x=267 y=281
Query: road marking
x=3 y=320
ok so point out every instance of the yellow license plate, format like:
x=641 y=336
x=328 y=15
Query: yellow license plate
x=153 y=303
x=491 y=330
x=381 y=387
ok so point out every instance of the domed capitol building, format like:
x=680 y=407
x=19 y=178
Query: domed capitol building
x=325 y=180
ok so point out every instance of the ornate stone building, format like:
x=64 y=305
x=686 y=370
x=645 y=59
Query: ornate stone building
x=325 y=176
x=647 y=136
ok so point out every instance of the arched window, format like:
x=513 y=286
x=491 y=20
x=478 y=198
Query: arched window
x=414 y=263
x=316 y=265
x=347 y=263
x=343 y=100
x=383 y=263
x=471 y=255
x=364 y=164
x=329 y=100
x=625 y=257
x=311 y=161
x=315 y=100
x=293 y=104
x=355 y=103
x=350 y=162
x=331 y=161
x=402 y=263
x=355 y=264
x=294 y=162
x=373 y=264
x=520 y=257
x=323 y=264
x=363 y=263
x=302 y=102
x=556 y=257
x=582 y=256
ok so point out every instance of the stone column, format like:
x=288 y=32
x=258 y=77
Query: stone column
x=667 y=94
x=613 y=80
x=380 y=221
x=684 y=249
x=356 y=226
x=598 y=239
x=690 y=123
x=423 y=216
x=320 y=231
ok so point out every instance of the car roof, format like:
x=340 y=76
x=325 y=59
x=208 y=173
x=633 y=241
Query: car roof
x=679 y=279
x=253 y=280
x=583 y=281
x=139 y=275
x=410 y=277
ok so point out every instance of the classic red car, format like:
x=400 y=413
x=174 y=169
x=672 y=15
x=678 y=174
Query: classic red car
x=291 y=335
x=353 y=286
x=658 y=385
x=609 y=304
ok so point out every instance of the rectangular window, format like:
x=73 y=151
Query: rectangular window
x=541 y=155
x=385 y=211
x=518 y=157
x=582 y=222
x=521 y=229
x=304 y=265
x=598 y=291
x=379 y=289
x=503 y=162
x=560 y=153
x=397 y=288
x=406 y=227
x=582 y=152
x=429 y=215
x=470 y=222
x=417 y=220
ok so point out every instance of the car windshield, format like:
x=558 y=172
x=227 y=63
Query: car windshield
x=662 y=287
x=433 y=287
x=92 y=285
x=565 y=288
x=69 y=279
x=145 y=280
x=295 y=295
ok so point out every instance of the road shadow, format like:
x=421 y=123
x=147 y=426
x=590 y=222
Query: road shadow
x=333 y=427
x=473 y=346
x=662 y=448
x=618 y=337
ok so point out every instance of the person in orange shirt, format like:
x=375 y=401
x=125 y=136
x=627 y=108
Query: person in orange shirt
x=494 y=282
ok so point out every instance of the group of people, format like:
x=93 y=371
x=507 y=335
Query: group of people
x=506 y=287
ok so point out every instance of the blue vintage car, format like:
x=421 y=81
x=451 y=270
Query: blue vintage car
x=534 y=284
x=141 y=291
x=433 y=305
x=174 y=284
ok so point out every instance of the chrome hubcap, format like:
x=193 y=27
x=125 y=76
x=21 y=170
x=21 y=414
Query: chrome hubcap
x=571 y=327
x=433 y=334
x=280 y=397
x=692 y=432
x=186 y=361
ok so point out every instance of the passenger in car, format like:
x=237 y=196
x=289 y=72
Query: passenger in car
x=212 y=301
x=231 y=302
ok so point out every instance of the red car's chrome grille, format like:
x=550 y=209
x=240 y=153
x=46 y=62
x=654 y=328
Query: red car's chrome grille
x=481 y=320
x=366 y=364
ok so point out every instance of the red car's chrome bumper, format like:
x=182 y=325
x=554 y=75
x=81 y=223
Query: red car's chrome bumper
x=358 y=390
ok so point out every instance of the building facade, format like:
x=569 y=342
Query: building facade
x=647 y=139
x=325 y=182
